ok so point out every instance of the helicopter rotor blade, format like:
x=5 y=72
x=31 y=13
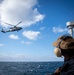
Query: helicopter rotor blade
x=13 y=25
x=8 y=24
x=19 y=23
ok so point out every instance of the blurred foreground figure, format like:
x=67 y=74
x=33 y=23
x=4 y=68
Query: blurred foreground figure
x=65 y=47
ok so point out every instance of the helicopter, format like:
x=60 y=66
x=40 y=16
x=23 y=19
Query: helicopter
x=11 y=29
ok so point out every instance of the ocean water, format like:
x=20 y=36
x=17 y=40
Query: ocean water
x=28 y=68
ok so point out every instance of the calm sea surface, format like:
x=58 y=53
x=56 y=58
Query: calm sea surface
x=28 y=68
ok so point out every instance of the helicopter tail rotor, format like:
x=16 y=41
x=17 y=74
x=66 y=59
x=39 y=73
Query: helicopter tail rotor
x=3 y=31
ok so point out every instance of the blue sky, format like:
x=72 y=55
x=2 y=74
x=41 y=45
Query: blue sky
x=43 y=21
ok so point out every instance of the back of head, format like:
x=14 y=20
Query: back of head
x=64 y=46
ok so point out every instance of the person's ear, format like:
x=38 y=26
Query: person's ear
x=57 y=52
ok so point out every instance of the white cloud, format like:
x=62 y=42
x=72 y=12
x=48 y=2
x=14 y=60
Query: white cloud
x=1 y=44
x=12 y=36
x=14 y=57
x=14 y=11
x=42 y=28
x=27 y=43
x=59 y=29
x=32 y=35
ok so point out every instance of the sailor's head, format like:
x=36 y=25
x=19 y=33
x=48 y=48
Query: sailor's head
x=64 y=46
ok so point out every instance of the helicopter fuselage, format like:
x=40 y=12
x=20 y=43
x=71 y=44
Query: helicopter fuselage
x=12 y=29
x=15 y=28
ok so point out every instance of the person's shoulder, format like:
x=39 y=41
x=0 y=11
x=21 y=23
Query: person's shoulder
x=71 y=61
